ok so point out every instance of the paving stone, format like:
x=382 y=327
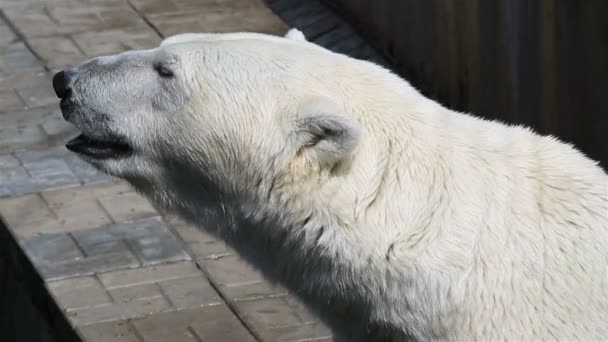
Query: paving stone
x=231 y=270
x=73 y=18
x=37 y=128
x=58 y=255
x=121 y=331
x=48 y=249
x=16 y=56
x=58 y=130
x=149 y=275
x=114 y=188
x=118 y=311
x=302 y=310
x=28 y=215
x=209 y=250
x=171 y=6
x=173 y=23
x=7 y=35
x=120 y=231
x=171 y=326
x=107 y=247
x=21 y=130
x=155 y=6
x=57 y=51
x=88 y=266
x=115 y=41
x=218 y=19
x=131 y=293
x=173 y=219
x=157 y=249
x=222 y=326
x=28 y=117
x=50 y=173
x=38 y=96
x=19 y=79
x=12 y=138
x=14 y=180
x=76 y=208
x=310 y=332
x=12 y=3
x=239 y=281
x=190 y=292
x=221 y=331
x=119 y=14
x=10 y=101
x=66 y=17
x=36 y=20
x=202 y=243
x=149 y=239
x=209 y=323
x=185 y=335
x=271 y=312
x=8 y=162
x=79 y=292
x=30 y=156
x=127 y=206
x=4 y=190
x=13 y=175
x=23 y=186
x=57 y=168
x=188 y=232
x=84 y=171
x=57 y=211
x=253 y=291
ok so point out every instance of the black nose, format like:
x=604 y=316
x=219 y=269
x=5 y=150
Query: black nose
x=60 y=84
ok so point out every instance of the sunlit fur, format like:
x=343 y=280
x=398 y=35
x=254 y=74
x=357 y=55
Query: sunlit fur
x=389 y=214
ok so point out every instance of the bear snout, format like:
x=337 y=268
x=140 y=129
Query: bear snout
x=62 y=86
x=61 y=83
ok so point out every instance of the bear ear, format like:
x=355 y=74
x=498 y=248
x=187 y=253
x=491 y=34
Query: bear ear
x=327 y=134
x=295 y=34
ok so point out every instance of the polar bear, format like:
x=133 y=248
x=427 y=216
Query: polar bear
x=394 y=217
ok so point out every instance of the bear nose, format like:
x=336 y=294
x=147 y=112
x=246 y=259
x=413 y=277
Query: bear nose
x=61 y=80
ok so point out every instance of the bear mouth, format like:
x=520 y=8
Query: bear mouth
x=111 y=148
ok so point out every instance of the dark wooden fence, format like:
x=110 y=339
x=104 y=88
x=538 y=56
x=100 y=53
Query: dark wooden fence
x=542 y=63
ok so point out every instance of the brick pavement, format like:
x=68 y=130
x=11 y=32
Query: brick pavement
x=120 y=270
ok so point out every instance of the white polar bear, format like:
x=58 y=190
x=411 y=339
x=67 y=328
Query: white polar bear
x=392 y=216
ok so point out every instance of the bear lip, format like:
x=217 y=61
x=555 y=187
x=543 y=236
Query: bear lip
x=111 y=148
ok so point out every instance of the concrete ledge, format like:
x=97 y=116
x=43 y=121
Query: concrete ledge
x=28 y=312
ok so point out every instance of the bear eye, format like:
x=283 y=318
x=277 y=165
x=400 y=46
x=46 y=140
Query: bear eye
x=164 y=71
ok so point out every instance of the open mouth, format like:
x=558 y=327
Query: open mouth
x=99 y=149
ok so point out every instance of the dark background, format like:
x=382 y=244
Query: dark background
x=540 y=63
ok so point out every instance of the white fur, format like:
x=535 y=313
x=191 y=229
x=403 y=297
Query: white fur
x=295 y=34
x=390 y=214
